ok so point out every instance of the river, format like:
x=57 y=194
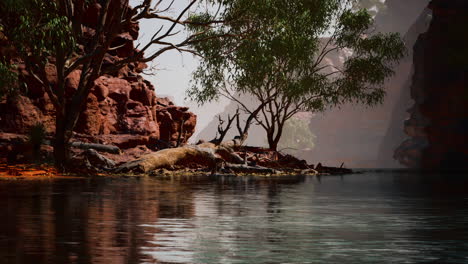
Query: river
x=373 y=217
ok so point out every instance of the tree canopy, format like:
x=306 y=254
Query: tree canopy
x=284 y=63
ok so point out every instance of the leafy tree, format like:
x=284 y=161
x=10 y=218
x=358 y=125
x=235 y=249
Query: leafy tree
x=283 y=65
x=49 y=35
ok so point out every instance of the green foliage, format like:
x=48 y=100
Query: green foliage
x=296 y=136
x=37 y=28
x=8 y=79
x=284 y=48
x=37 y=31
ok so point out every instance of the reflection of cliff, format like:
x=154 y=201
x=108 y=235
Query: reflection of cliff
x=438 y=123
x=85 y=222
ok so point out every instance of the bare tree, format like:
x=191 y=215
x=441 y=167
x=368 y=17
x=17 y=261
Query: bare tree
x=222 y=131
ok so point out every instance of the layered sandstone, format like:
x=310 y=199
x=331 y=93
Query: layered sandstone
x=122 y=109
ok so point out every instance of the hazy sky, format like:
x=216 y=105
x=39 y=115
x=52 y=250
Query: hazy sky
x=173 y=70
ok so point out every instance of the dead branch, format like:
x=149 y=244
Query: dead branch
x=223 y=131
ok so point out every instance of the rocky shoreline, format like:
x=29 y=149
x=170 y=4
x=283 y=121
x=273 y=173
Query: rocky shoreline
x=204 y=158
x=125 y=127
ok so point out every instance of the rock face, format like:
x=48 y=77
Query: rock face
x=438 y=122
x=364 y=137
x=122 y=109
x=403 y=78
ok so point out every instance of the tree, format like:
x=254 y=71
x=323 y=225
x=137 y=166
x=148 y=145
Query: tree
x=54 y=36
x=284 y=64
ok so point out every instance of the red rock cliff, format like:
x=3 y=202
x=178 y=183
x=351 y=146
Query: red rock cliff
x=122 y=109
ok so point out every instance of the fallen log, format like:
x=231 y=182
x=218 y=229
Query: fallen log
x=98 y=147
x=82 y=145
x=97 y=161
x=167 y=158
x=224 y=151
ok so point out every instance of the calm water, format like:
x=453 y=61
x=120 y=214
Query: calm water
x=364 y=218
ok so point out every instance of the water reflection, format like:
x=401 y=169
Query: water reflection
x=366 y=218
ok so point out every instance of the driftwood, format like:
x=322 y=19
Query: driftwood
x=206 y=154
x=168 y=158
x=224 y=151
x=81 y=145
x=98 y=147
x=97 y=161
x=332 y=170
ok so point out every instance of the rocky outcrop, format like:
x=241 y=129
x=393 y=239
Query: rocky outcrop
x=122 y=108
x=364 y=137
x=438 y=122
x=395 y=132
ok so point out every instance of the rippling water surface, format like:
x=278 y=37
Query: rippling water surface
x=374 y=217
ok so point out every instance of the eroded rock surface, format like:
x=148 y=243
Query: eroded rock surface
x=122 y=109
x=438 y=124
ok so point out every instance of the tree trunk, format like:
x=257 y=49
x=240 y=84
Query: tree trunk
x=65 y=123
x=61 y=150
x=277 y=138
x=272 y=143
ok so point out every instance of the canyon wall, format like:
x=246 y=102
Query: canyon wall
x=122 y=108
x=366 y=137
x=438 y=122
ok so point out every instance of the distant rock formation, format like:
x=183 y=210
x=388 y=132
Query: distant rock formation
x=366 y=137
x=403 y=78
x=438 y=123
x=122 y=109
